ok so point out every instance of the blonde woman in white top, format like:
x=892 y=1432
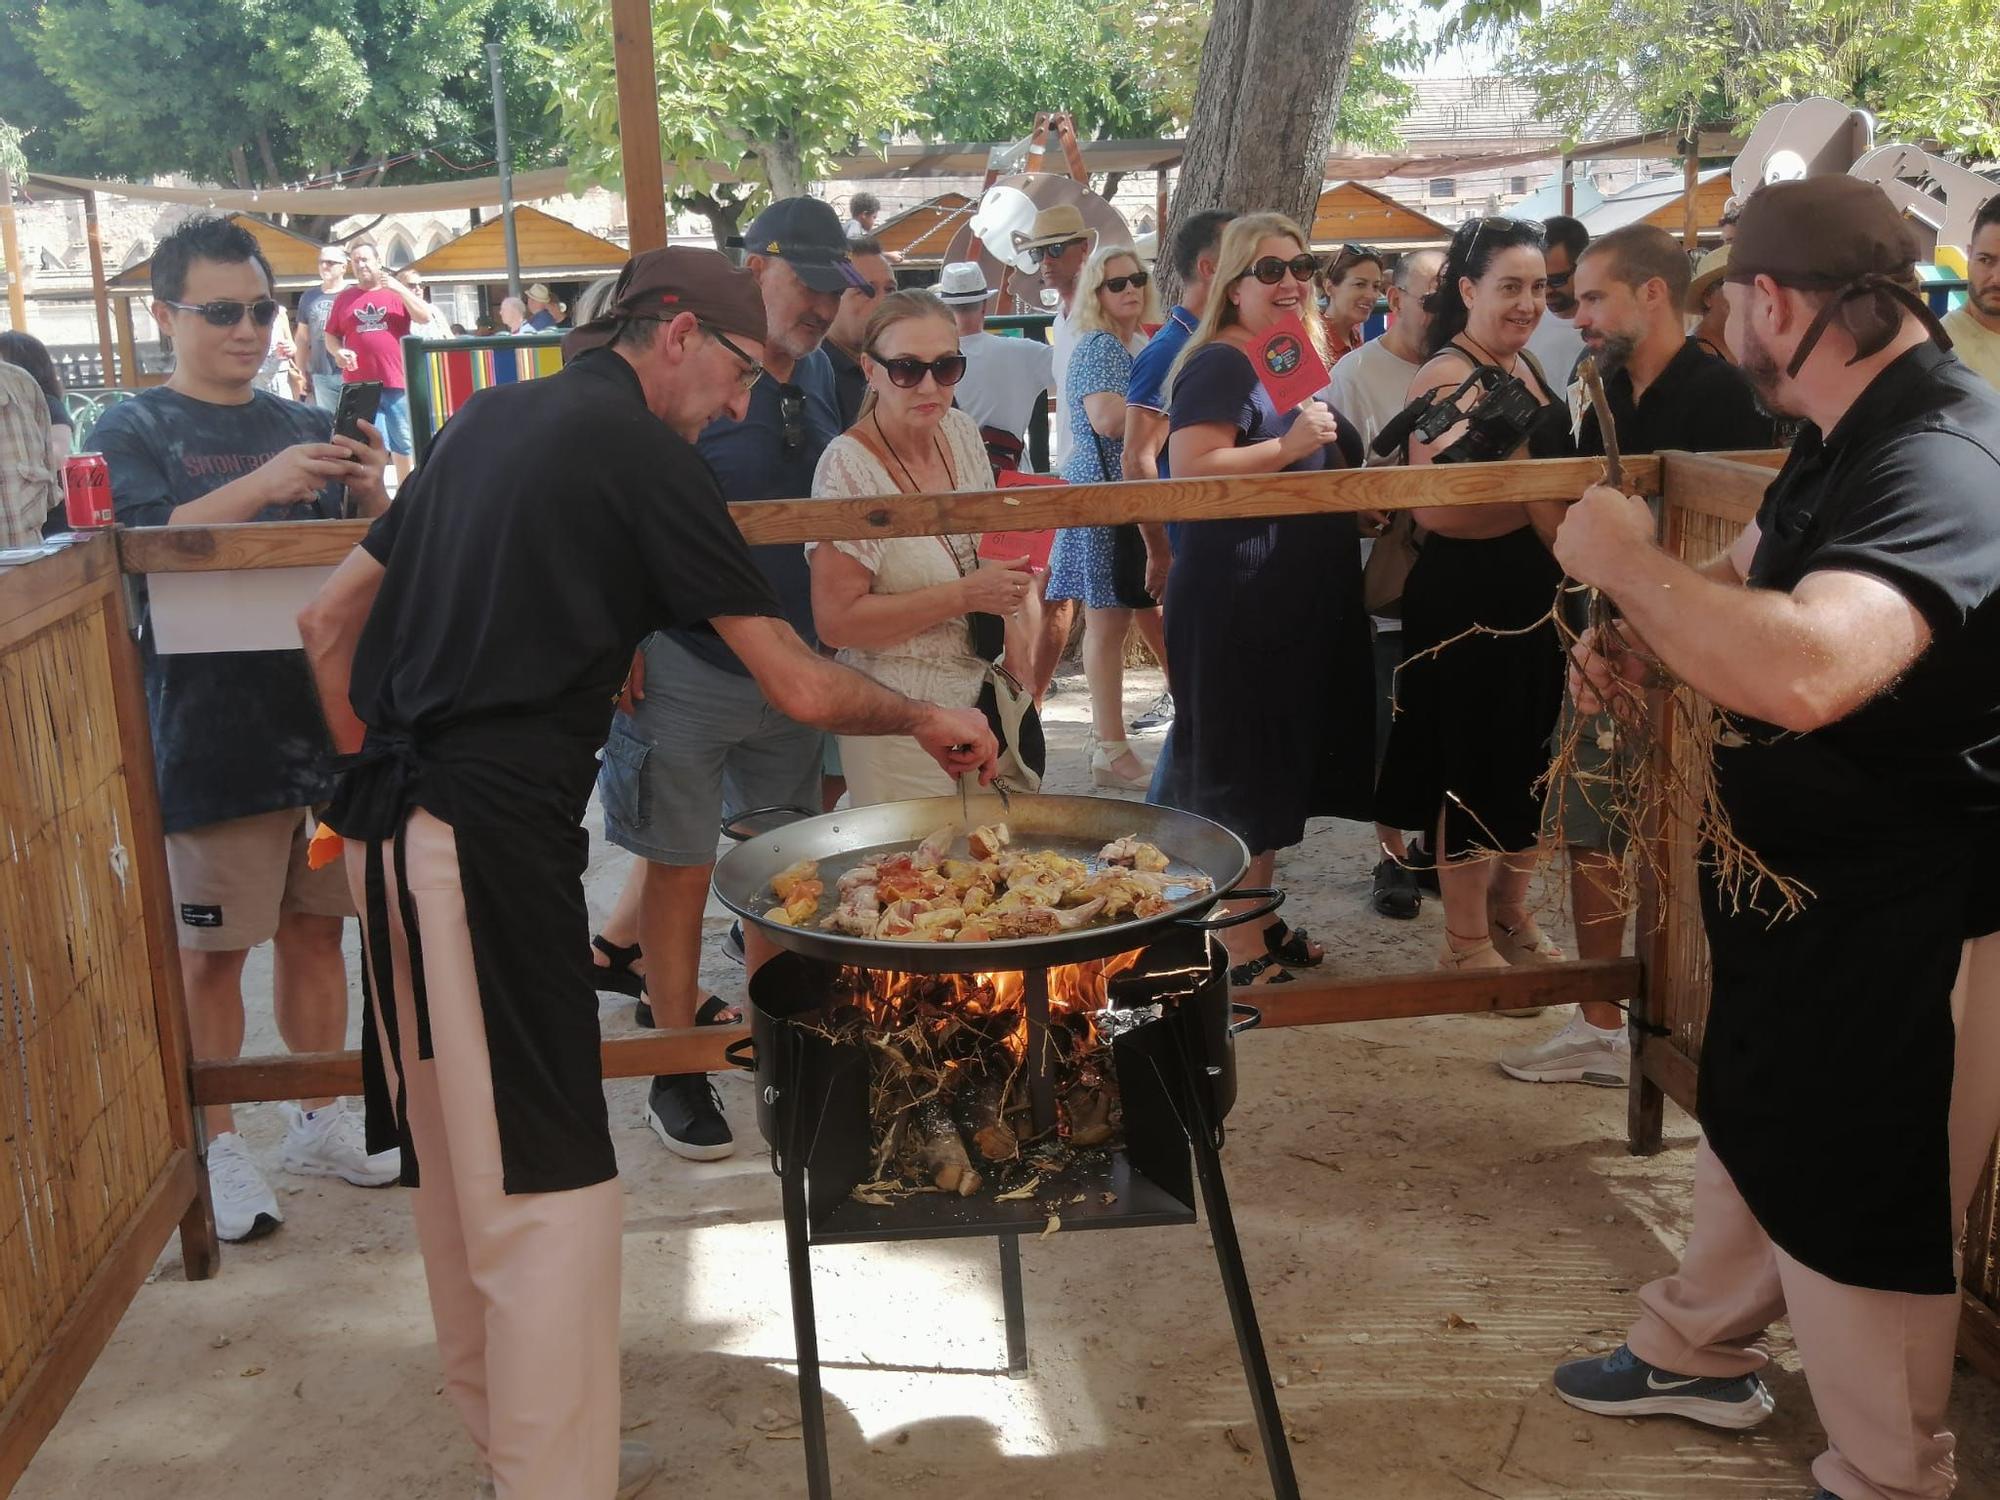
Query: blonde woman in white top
x=897 y=609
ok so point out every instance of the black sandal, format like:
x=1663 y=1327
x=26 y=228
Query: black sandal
x=715 y=1011
x=1291 y=946
x=614 y=976
x=1243 y=976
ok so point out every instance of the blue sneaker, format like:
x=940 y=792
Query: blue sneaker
x=1621 y=1384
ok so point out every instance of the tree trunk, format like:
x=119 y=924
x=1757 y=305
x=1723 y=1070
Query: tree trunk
x=1264 y=106
x=723 y=211
x=784 y=169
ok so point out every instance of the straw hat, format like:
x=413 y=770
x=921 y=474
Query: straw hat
x=1711 y=268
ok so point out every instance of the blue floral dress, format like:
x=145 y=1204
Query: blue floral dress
x=1080 y=564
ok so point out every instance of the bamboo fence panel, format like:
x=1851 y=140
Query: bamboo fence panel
x=95 y=1124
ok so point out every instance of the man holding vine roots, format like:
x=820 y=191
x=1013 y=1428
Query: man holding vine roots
x=1850 y=1085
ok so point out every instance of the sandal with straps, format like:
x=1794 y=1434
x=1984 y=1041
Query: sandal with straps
x=615 y=976
x=715 y=1011
x=1243 y=976
x=1292 y=946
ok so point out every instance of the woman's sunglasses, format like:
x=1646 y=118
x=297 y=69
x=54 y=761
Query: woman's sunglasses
x=1270 y=270
x=224 y=313
x=906 y=373
x=1119 y=283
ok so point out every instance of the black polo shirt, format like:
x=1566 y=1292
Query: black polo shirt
x=1698 y=403
x=554 y=524
x=1907 y=489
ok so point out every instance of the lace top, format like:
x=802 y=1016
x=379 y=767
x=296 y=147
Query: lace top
x=935 y=665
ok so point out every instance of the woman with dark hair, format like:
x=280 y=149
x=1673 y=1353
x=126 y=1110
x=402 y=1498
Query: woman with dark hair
x=32 y=355
x=1354 y=284
x=1471 y=732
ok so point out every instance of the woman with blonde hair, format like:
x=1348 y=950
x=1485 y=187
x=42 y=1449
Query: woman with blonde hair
x=921 y=614
x=1114 y=299
x=1268 y=653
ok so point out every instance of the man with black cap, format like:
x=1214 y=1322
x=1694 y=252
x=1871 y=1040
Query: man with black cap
x=702 y=740
x=1850 y=1080
x=467 y=655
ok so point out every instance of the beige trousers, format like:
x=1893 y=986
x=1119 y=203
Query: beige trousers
x=1878 y=1363
x=524 y=1288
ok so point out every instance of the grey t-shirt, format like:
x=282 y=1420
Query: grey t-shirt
x=234 y=732
x=314 y=308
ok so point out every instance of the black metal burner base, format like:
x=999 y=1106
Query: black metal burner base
x=1137 y=1202
x=1175 y=1087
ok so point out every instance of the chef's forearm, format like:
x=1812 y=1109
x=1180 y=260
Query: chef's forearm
x=330 y=628
x=803 y=685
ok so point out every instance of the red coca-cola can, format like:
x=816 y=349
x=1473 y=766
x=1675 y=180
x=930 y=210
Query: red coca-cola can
x=87 y=490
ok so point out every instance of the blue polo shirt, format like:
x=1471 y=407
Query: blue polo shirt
x=1149 y=370
x=753 y=460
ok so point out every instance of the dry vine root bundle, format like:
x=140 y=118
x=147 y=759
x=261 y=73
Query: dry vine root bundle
x=1642 y=772
x=948 y=1101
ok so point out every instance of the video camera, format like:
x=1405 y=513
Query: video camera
x=1499 y=411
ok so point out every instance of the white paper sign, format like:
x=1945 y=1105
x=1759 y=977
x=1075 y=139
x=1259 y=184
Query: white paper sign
x=247 y=609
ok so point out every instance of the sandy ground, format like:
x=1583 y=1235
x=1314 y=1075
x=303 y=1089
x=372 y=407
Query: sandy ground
x=1425 y=1239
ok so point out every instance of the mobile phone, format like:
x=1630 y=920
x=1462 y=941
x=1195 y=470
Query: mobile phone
x=359 y=401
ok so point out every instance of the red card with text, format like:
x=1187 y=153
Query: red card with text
x=1287 y=363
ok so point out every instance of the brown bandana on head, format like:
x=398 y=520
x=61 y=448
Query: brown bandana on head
x=659 y=284
x=1837 y=234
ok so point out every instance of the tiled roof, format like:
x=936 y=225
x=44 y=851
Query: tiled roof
x=1493 y=109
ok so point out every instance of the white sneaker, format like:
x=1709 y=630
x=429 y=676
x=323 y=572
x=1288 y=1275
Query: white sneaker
x=637 y=1464
x=245 y=1206
x=331 y=1142
x=1579 y=1053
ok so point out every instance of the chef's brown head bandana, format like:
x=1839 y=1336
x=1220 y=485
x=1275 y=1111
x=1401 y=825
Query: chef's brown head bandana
x=661 y=284
x=1840 y=235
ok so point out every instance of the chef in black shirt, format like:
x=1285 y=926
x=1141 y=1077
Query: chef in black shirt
x=480 y=634
x=1850 y=637
x=1664 y=391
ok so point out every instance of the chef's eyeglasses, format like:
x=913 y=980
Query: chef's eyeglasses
x=1119 y=283
x=1039 y=253
x=752 y=371
x=1271 y=270
x=224 y=313
x=906 y=372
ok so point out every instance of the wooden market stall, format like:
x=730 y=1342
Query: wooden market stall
x=551 y=250
x=1664 y=203
x=921 y=234
x=1355 y=213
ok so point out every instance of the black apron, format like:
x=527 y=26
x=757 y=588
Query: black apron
x=1826 y=1068
x=513 y=792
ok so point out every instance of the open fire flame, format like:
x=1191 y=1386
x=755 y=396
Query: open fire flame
x=889 y=998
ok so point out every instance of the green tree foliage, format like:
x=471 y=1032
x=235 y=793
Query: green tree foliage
x=1928 y=69
x=257 y=93
x=770 y=89
x=999 y=62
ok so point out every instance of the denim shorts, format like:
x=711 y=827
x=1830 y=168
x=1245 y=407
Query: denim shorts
x=702 y=746
x=393 y=417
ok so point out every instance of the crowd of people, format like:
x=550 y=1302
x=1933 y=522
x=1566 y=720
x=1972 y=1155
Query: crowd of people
x=467 y=657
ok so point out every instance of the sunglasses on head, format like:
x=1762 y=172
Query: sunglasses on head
x=1271 y=270
x=792 y=419
x=906 y=372
x=752 y=371
x=1119 y=283
x=1354 y=252
x=224 y=313
x=1039 y=253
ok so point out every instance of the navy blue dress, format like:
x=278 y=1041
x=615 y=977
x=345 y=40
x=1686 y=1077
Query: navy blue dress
x=1267 y=641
